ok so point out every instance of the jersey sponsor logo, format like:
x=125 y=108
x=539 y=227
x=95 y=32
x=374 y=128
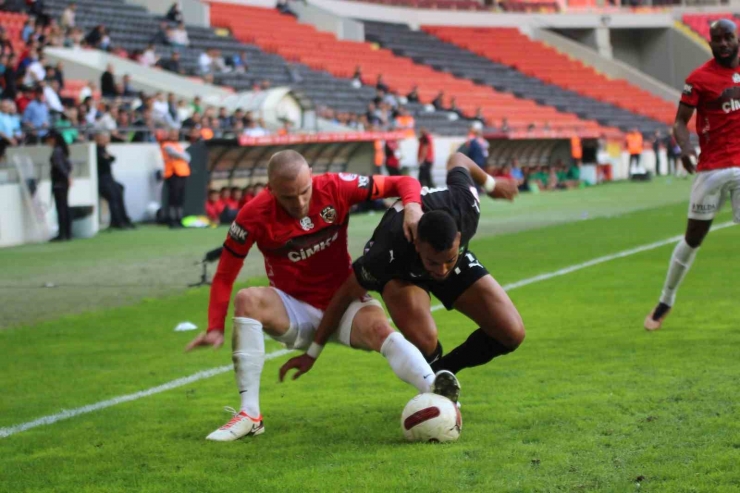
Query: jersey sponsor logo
x=688 y=89
x=306 y=224
x=348 y=176
x=329 y=214
x=736 y=78
x=237 y=233
x=363 y=182
x=731 y=105
x=304 y=253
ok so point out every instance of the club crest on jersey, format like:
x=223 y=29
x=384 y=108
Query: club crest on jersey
x=348 y=176
x=736 y=78
x=306 y=224
x=363 y=182
x=329 y=214
x=237 y=233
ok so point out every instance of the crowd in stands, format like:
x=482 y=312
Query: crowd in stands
x=223 y=205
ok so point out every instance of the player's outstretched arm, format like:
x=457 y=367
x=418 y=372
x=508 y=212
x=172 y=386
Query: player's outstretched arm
x=496 y=189
x=345 y=295
x=409 y=189
x=683 y=139
x=228 y=269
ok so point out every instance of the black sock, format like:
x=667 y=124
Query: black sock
x=436 y=354
x=478 y=349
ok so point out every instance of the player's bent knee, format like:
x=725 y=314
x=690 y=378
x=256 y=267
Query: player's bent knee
x=370 y=330
x=249 y=302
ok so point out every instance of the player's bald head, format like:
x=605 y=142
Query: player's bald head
x=285 y=165
x=723 y=25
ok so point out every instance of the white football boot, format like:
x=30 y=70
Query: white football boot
x=240 y=426
x=446 y=385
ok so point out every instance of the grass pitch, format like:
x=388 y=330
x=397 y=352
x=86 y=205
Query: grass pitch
x=590 y=402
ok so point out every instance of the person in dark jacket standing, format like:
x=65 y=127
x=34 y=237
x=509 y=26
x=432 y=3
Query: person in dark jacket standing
x=61 y=181
x=108 y=188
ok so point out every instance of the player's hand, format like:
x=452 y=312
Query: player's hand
x=688 y=159
x=302 y=364
x=411 y=215
x=213 y=338
x=505 y=189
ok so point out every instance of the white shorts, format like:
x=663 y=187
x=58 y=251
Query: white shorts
x=305 y=319
x=710 y=191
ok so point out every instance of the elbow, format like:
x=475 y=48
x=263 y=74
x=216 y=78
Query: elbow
x=458 y=160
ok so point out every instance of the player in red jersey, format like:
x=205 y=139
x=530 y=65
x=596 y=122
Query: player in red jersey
x=714 y=91
x=300 y=226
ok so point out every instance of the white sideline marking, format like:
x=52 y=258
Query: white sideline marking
x=47 y=420
x=53 y=418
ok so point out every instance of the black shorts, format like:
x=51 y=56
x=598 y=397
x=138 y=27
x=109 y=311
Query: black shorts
x=467 y=272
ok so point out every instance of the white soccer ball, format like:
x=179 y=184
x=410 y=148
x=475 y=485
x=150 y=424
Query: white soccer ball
x=431 y=418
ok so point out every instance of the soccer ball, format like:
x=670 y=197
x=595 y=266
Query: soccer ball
x=431 y=418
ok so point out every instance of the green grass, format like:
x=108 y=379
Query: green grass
x=590 y=402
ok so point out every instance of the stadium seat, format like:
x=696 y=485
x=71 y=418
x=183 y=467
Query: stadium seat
x=506 y=46
x=322 y=51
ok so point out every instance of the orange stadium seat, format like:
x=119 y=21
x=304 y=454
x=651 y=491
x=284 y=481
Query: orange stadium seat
x=506 y=45
x=302 y=43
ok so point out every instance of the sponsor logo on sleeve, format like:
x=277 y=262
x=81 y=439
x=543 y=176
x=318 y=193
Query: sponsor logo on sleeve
x=736 y=78
x=363 y=182
x=238 y=233
x=688 y=89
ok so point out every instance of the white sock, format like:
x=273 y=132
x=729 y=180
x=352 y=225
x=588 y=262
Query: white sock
x=249 y=357
x=407 y=362
x=681 y=260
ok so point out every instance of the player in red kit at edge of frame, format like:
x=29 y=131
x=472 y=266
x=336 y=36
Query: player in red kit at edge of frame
x=300 y=225
x=714 y=91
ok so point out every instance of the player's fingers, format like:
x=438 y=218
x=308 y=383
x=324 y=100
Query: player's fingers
x=298 y=373
x=283 y=370
x=407 y=232
x=195 y=342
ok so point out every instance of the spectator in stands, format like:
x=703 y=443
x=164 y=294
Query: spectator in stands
x=439 y=101
x=453 y=106
x=357 y=77
x=98 y=38
x=6 y=46
x=149 y=57
x=61 y=182
x=108 y=188
x=205 y=63
x=87 y=91
x=51 y=95
x=480 y=117
x=178 y=37
x=254 y=130
x=146 y=124
x=235 y=198
x=108 y=83
x=127 y=90
x=224 y=118
x=27 y=30
x=162 y=36
x=576 y=149
x=381 y=85
x=176 y=172
x=425 y=158
x=413 y=96
x=34 y=69
x=66 y=125
x=10 y=78
x=184 y=110
x=10 y=127
x=197 y=105
x=194 y=121
x=476 y=147
x=67 y=21
x=505 y=125
x=673 y=151
x=634 y=146
x=174 y=14
x=392 y=161
x=214 y=206
x=517 y=174
x=283 y=7
x=37 y=8
x=74 y=38
x=172 y=64
x=36 y=117
x=404 y=121
x=239 y=62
